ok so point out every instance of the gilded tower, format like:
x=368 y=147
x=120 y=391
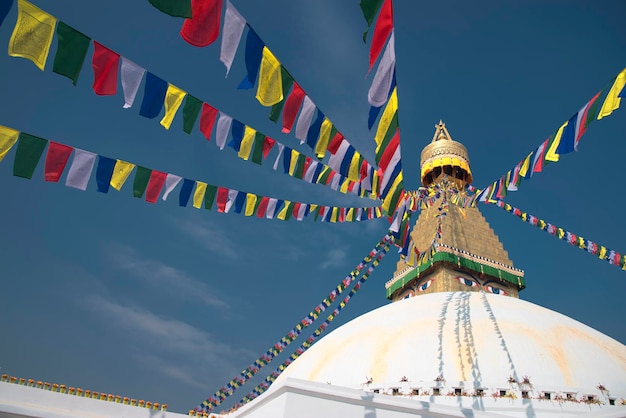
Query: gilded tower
x=465 y=254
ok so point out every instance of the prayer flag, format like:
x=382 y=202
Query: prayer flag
x=234 y=25
x=204 y=26
x=355 y=165
x=566 y=145
x=176 y=8
x=104 y=173
x=155 y=185
x=384 y=26
x=121 y=171
x=8 y=138
x=281 y=147
x=207 y=119
x=32 y=34
x=171 y=181
x=142 y=177
x=347 y=160
x=539 y=157
x=209 y=196
x=198 y=195
x=191 y=110
x=389 y=151
x=250 y=204
x=56 y=159
x=131 y=75
x=292 y=105
x=322 y=143
x=584 y=118
x=268 y=144
x=551 y=154
x=335 y=142
x=385 y=120
x=287 y=82
x=246 y=143
x=305 y=118
x=314 y=130
x=80 y=170
x=613 y=98
x=262 y=208
x=153 y=96
x=240 y=201
x=71 y=51
x=369 y=8
x=222 y=197
x=105 y=64
x=271 y=208
x=223 y=127
x=173 y=99
x=236 y=130
x=254 y=54
x=379 y=90
x=283 y=212
x=29 y=150
x=185 y=192
x=257 y=153
x=270 y=90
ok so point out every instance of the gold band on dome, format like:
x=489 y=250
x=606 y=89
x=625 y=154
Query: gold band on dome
x=429 y=166
x=444 y=151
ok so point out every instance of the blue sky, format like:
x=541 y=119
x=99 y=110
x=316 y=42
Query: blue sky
x=157 y=302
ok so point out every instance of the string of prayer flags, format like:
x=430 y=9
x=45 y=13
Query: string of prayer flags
x=232 y=30
x=179 y=8
x=382 y=30
x=370 y=8
x=611 y=256
x=381 y=84
x=563 y=141
x=32 y=35
x=263 y=386
x=105 y=64
x=221 y=394
x=203 y=27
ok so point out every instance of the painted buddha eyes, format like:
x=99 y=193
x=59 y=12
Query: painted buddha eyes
x=467 y=282
x=495 y=290
x=424 y=285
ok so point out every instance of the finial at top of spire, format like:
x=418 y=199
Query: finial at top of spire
x=441 y=133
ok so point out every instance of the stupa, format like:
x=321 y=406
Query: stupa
x=456 y=341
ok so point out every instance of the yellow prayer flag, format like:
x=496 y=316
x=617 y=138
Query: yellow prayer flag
x=198 y=195
x=344 y=186
x=312 y=207
x=551 y=154
x=385 y=120
x=121 y=171
x=525 y=166
x=8 y=137
x=324 y=138
x=353 y=171
x=173 y=98
x=602 y=254
x=283 y=212
x=612 y=100
x=250 y=204
x=333 y=215
x=246 y=143
x=293 y=162
x=350 y=215
x=390 y=196
x=270 y=90
x=32 y=34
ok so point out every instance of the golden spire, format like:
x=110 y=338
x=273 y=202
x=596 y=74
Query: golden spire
x=444 y=156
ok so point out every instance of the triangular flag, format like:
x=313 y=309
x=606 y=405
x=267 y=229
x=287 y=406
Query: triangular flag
x=305 y=118
x=232 y=30
x=384 y=26
x=254 y=54
x=171 y=181
x=613 y=97
x=176 y=8
x=131 y=75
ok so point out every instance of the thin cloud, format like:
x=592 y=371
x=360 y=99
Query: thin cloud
x=335 y=258
x=212 y=237
x=166 y=278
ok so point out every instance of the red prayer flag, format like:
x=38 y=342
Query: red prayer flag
x=334 y=143
x=204 y=26
x=207 y=119
x=260 y=212
x=105 y=65
x=222 y=198
x=383 y=28
x=155 y=185
x=363 y=170
x=56 y=159
x=268 y=144
x=296 y=209
x=292 y=105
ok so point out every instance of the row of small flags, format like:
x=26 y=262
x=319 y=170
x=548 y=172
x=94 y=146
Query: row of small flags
x=372 y=257
x=263 y=386
x=353 y=173
x=276 y=87
x=563 y=141
x=114 y=173
x=611 y=256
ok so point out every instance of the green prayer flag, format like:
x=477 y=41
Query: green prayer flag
x=71 y=51
x=257 y=152
x=287 y=80
x=369 y=8
x=209 y=196
x=190 y=112
x=176 y=8
x=298 y=171
x=29 y=150
x=289 y=211
x=142 y=177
